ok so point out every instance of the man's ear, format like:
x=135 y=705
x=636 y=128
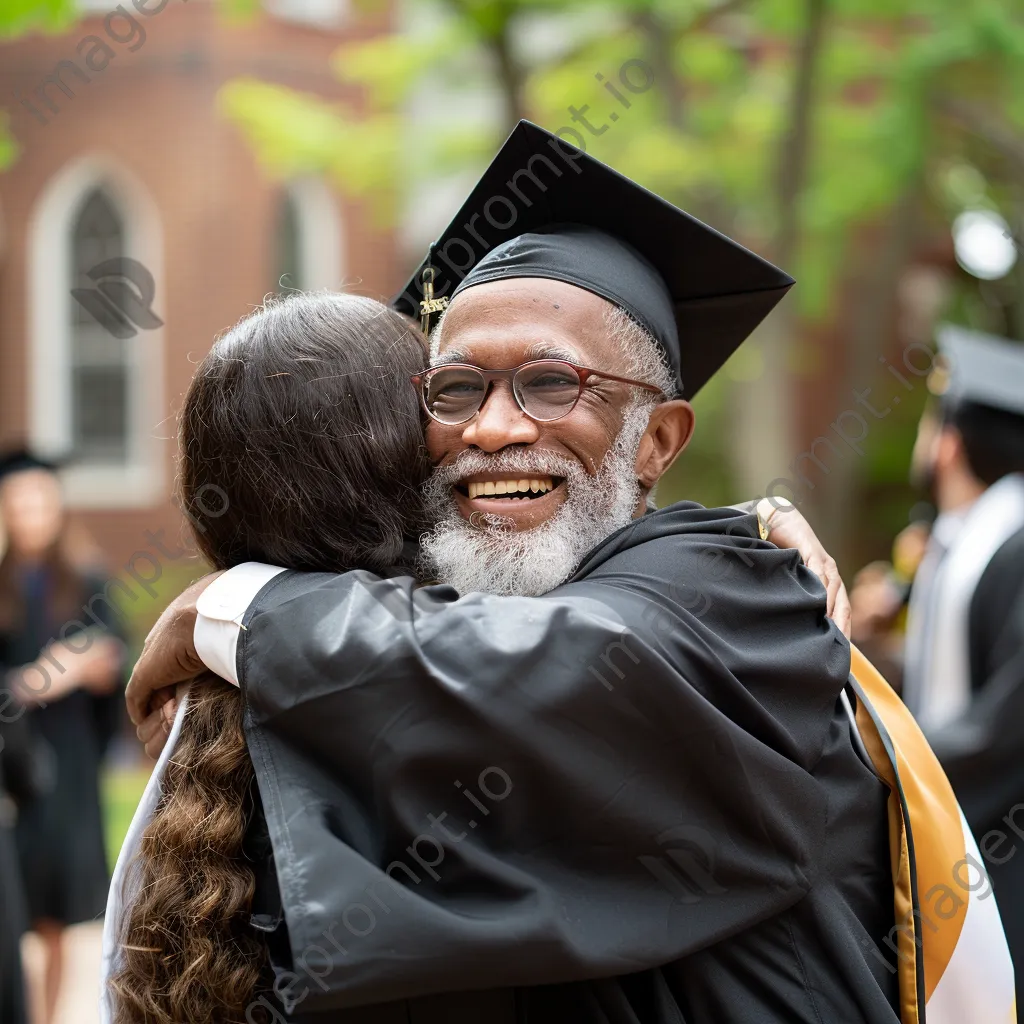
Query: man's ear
x=668 y=432
x=949 y=448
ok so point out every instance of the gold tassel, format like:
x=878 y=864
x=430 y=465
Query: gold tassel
x=429 y=304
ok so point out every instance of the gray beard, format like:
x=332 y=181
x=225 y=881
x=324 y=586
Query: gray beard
x=495 y=558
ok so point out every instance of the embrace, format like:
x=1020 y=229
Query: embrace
x=463 y=729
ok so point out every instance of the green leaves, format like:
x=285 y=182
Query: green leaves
x=294 y=134
x=709 y=134
x=20 y=16
x=390 y=68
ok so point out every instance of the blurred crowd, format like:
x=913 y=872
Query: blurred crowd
x=944 y=618
x=61 y=707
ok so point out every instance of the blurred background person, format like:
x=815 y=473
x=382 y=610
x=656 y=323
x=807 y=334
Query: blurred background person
x=44 y=592
x=21 y=780
x=964 y=677
x=879 y=599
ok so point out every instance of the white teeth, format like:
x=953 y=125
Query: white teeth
x=538 y=485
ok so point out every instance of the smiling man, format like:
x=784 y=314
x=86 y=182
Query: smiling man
x=539 y=463
x=580 y=322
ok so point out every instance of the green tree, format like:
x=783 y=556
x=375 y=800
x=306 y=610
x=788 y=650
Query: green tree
x=18 y=17
x=829 y=135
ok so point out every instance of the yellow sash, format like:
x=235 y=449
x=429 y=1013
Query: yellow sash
x=938 y=875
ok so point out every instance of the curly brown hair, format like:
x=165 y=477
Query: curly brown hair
x=188 y=952
x=301 y=446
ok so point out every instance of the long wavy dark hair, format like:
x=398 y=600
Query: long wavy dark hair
x=301 y=446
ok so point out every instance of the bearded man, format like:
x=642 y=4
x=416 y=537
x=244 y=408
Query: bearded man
x=666 y=811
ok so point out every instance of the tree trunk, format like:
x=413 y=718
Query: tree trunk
x=765 y=427
x=659 y=44
x=510 y=75
x=833 y=503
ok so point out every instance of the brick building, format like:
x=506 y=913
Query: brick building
x=124 y=153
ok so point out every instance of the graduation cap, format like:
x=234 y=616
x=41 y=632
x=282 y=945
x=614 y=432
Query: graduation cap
x=18 y=460
x=546 y=209
x=979 y=369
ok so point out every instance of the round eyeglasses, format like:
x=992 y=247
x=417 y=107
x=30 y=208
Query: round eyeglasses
x=545 y=389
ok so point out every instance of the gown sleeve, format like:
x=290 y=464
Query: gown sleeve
x=981 y=750
x=533 y=790
x=23 y=772
x=107 y=709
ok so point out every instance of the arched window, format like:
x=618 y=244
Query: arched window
x=308 y=241
x=95 y=331
x=289 y=275
x=323 y=13
x=99 y=363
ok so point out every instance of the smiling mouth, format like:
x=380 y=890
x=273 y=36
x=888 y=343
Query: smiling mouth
x=520 y=489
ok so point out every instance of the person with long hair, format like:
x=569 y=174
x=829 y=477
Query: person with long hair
x=303 y=415
x=69 y=698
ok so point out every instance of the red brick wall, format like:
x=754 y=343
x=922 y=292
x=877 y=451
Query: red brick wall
x=154 y=112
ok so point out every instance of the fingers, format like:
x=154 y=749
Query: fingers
x=837 y=601
x=156 y=727
x=842 y=614
x=136 y=698
x=838 y=606
x=168 y=657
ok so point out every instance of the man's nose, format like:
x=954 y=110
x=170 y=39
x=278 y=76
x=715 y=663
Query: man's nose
x=500 y=422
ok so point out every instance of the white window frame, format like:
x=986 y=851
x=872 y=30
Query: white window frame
x=141 y=480
x=321 y=234
x=306 y=12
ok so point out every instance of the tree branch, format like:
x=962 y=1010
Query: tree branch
x=981 y=120
x=795 y=143
x=510 y=73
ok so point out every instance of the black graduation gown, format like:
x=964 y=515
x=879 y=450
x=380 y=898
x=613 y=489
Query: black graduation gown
x=635 y=799
x=21 y=781
x=983 y=751
x=60 y=835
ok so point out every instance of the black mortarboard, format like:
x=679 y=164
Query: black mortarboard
x=699 y=293
x=979 y=369
x=17 y=460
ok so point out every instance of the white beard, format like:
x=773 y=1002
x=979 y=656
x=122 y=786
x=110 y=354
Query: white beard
x=495 y=558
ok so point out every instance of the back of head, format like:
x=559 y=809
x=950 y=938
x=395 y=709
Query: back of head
x=300 y=437
x=301 y=446
x=993 y=439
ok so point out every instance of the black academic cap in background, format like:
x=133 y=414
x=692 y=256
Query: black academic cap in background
x=716 y=291
x=18 y=460
x=980 y=369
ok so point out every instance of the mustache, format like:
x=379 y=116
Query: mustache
x=526 y=461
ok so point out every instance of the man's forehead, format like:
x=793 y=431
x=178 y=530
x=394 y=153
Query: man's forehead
x=538 y=350
x=530 y=318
